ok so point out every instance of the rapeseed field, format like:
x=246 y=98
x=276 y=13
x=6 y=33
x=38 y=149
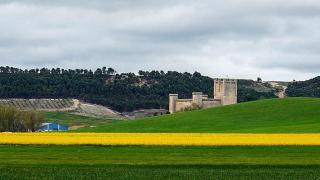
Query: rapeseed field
x=175 y=139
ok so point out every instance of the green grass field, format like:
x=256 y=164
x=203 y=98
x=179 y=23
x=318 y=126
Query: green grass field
x=290 y=115
x=66 y=118
x=145 y=162
x=184 y=172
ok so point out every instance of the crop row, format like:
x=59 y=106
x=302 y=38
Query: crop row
x=185 y=139
x=35 y=104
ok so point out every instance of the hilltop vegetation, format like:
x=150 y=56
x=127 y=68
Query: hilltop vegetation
x=121 y=92
x=291 y=115
x=309 y=88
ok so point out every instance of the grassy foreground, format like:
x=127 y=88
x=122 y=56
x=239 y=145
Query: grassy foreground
x=183 y=172
x=158 y=155
x=145 y=162
x=290 y=115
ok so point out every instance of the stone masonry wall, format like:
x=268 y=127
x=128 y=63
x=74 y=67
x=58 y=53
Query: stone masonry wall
x=211 y=103
x=182 y=104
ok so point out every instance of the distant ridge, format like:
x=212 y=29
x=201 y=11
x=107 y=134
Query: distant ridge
x=124 y=92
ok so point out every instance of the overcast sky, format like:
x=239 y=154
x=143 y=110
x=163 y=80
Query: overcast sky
x=274 y=39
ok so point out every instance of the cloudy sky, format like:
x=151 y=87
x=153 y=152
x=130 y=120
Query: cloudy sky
x=273 y=39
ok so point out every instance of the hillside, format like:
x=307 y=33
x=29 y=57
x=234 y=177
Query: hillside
x=290 y=115
x=309 y=88
x=73 y=106
x=41 y=104
x=123 y=92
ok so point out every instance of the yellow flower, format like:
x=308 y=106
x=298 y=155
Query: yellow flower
x=184 y=139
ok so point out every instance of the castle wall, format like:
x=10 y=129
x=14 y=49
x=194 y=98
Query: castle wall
x=172 y=102
x=211 y=103
x=225 y=93
x=204 y=97
x=181 y=104
x=197 y=98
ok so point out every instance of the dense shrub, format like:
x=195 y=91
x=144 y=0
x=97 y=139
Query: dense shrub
x=14 y=120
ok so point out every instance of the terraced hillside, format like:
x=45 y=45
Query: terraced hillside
x=62 y=105
x=41 y=104
x=289 y=115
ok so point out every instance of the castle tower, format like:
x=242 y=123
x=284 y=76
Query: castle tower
x=226 y=91
x=172 y=102
x=197 y=98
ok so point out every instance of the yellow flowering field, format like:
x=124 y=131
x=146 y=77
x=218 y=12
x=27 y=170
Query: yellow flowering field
x=185 y=139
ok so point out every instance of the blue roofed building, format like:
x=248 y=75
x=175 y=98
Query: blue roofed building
x=53 y=127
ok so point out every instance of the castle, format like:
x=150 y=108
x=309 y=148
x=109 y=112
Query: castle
x=225 y=93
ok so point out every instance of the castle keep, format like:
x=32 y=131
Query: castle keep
x=225 y=93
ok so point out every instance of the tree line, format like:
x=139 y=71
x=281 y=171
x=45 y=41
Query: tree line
x=309 y=88
x=13 y=120
x=104 y=86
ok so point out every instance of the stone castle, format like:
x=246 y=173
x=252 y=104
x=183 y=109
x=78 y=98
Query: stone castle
x=225 y=93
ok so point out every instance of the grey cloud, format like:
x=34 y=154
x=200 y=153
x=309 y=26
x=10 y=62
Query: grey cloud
x=239 y=38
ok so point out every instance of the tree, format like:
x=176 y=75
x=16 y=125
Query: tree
x=104 y=70
x=19 y=121
x=111 y=71
x=259 y=80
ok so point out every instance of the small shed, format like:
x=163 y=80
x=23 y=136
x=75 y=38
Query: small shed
x=53 y=127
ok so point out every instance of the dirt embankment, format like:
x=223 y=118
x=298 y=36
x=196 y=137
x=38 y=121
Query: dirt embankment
x=280 y=88
x=86 y=109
